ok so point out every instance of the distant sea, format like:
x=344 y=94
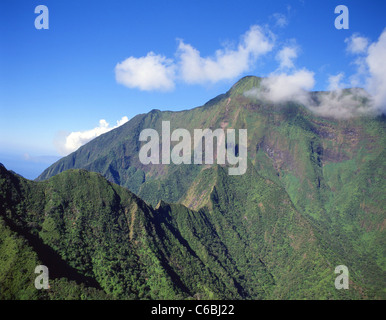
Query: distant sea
x=30 y=167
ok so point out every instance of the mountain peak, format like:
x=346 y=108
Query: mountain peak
x=244 y=84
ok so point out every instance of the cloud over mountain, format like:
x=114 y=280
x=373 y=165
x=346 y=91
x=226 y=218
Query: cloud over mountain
x=156 y=72
x=370 y=60
x=376 y=80
x=281 y=87
x=338 y=103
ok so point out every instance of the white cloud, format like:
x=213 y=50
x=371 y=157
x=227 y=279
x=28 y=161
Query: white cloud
x=67 y=143
x=286 y=56
x=358 y=79
x=153 y=72
x=285 y=87
x=338 y=102
x=356 y=44
x=335 y=82
x=121 y=122
x=376 y=81
x=341 y=104
x=371 y=68
x=281 y=86
x=226 y=63
x=280 y=20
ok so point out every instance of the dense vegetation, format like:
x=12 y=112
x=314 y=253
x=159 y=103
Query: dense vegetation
x=101 y=241
x=313 y=198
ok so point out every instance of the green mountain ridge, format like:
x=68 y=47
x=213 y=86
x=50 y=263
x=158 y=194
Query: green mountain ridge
x=313 y=198
x=132 y=251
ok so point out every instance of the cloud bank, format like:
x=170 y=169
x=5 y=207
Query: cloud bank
x=284 y=87
x=287 y=83
x=155 y=72
x=67 y=143
x=295 y=85
x=339 y=103
x=376 y=79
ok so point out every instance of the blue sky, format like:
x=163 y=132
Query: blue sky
x=64 y=79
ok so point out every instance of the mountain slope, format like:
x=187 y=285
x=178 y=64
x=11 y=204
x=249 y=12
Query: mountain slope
x=257 y=221
x=108 y=234
x=330 y=171
x=257 y=248
x=286 y=142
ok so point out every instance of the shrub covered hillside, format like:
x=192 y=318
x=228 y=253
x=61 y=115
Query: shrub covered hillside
x=100 y=241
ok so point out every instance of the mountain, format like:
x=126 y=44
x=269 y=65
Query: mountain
x=100 y=241
x=287 y=143
x=313 y=198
